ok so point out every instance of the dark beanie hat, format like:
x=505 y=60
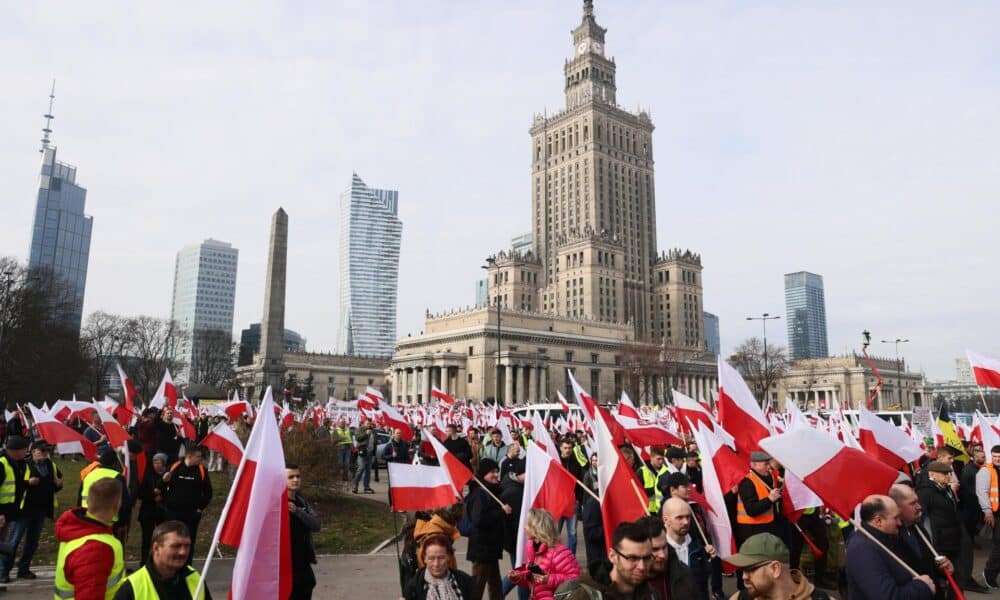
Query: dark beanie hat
x=486 y=465
x=108 y=458
x=16 y=442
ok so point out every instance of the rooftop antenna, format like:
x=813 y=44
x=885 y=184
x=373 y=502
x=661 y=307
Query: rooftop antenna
x=48 y=119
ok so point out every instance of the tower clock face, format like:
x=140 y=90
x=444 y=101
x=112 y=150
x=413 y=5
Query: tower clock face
x=581 y=48
x=597 y=47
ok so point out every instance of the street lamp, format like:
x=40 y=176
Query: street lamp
x=490 y=263
x=764 y=318
x=899 y=368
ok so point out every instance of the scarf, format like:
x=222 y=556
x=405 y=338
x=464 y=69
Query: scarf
x=443 y=588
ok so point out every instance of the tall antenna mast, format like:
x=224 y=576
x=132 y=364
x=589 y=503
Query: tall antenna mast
x=48 y=119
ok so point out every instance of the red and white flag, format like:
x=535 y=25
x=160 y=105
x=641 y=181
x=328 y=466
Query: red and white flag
x=885 y=441
x=67 y=440
x=224 y=440
x=128 y=396
x=396 y=421
x=562 y=401
x=714 y=491
x=547 y=485
x=824 y=465
x=457 y=471
x=647 y=434
x=989 y=434
x=442 y=397
x=117 y=436
x=419 y=487
x=627 y=409
x=622 y=498
x=541 y=436
x=985 y=370
x=166 y=394
x=255 y=518
x=739 y=412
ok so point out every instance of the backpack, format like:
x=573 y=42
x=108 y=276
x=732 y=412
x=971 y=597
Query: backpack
x=201 y=469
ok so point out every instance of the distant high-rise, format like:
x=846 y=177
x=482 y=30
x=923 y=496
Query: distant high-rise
x=482 y=292
x=204 y=294
x=712 y=338
x=250 y=343
x=521 y=243
x=60 y=239
x=805 y=310
x=370 y=234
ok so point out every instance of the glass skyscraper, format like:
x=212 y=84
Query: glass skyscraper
x=712 y=339
x=805 y=309
x=370 y=234
x=60 y=240
x=204 y=294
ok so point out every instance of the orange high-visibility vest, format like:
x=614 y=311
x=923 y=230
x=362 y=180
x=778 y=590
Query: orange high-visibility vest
x=994 y=489
x=742 y=517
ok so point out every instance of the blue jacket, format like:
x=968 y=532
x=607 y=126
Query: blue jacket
x=874 y=575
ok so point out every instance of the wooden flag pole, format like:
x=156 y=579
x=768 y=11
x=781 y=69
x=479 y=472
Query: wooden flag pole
x=982 y=397
x=487 y=490
x=951 y=580
x=588 y=490
x=701 y=531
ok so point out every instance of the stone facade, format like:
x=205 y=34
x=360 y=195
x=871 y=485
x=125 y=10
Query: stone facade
x=846 y=382
x=334 y=375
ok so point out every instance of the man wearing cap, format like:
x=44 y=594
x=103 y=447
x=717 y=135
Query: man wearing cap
x=14 y=478
x=44 y=480
x=763 y=559
x=947 y=529
x=676 y=460
x=486 y=538
x=872 y=574
x=758 y=497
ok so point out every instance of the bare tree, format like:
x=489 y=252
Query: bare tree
x=213 y=356
x=759 y=370
x=153 y=350
x=642 y=361
x=104 y=341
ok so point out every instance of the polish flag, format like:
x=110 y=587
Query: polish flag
x=989 y=433
x=690 y=412
x=166 y=394
x=224 y=440
x=128 y=392
x=541 y=436
x=255 y=518
x=441 y=396
x=591 y=408
x=562 y=400
x=627 y=409
x=67 y=440
x=884 y=441
x=185 y=427
x=796 y=497
x=396 y=421
x=457 y=471
x=714 y=490
x=374 y=395
x=117 y=436
x=234 y=409
x=419 y=487
x=65 y=410
x=795 y=416
x=985 y=370
x=739 y=412
x=622 y=498
x=286 y=420
x=547 y=485
x=504 y=426
x=647 y=434
x=824 y=465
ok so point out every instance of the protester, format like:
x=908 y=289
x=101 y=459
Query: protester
x=151 y=511
x=668 y=575
x=623 y=576
x=972 y=516
x=476 y=445
x=688 y=546
x=90 y=564
x=186 y=493
x=95 y=433
x=651 y=475
x=570 y=463
x=44 y=480
x=364 y=439
x=438 y=581
x=495 y=449
x=108 y=466
x=168 y=574
x=676 y=460
x=988 y=494
x=302 y=522
x=168 y=441
x=486 y=515
x=914 y=550
x=14 y=478
x=342 y=444
x=758 y=496
x=947 y=529
x=766 y=573
x=398 y=450
x=548 y=563
x=458 y=446
x=693 y=470
x=872 y=574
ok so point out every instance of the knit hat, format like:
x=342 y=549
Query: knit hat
x=486 y=465
x=160 y=457
x=108 y=458
x=16 y=442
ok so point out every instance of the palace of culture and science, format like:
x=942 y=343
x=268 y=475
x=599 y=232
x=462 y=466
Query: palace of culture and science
x=593 y=294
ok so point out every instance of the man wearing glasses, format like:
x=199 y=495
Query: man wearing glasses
x=766 y=574
x=624 y=576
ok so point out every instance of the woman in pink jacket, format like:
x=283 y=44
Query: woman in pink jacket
x=543 y=550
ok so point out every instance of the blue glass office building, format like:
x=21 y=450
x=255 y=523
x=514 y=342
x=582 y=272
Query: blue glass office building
x=60 y=240
x=713 y=340
x=370 y=234
x=805 y=309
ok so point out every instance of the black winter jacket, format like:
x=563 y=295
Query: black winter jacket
x=486 y=539
x=945 y=522
x=873 y=575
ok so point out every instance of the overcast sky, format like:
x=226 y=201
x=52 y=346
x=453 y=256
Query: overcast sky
x=857 y=140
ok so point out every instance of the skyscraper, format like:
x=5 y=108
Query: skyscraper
x=805 y=309
x=370 y=234
x=712 y=338
x=60 y=239
x=204 y=294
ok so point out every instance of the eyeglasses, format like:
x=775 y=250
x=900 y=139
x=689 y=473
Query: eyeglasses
x=747 y=571
x=648 y=558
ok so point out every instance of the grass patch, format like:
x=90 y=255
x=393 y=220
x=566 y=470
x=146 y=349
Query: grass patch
x=349 y=525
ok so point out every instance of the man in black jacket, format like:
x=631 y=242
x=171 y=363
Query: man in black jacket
x=167 y=439
x=569 y=462
x=459 y=446
x=968 y=504
x=44 y=480
x=187 y=491
x=486 y=539
x=668 y=575
x=302 y=523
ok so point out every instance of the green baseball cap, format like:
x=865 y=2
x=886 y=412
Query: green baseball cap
x=760 y=548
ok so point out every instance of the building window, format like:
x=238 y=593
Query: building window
x=470 y=377
x=594 y=358
x=569 y=356
x=470 y=350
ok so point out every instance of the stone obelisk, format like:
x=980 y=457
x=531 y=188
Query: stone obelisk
x=271 y=359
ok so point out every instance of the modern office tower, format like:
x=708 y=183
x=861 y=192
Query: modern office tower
x=250 y=343
x=482 y=292
x=370 y=234
x=521 y=243
x=805 y=310
x=60 y=239
x=712 y=338
x=204 y=293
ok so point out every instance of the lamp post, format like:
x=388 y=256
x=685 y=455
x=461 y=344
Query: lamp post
x=490 y=263
x=899 y=368
x=764 y=318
